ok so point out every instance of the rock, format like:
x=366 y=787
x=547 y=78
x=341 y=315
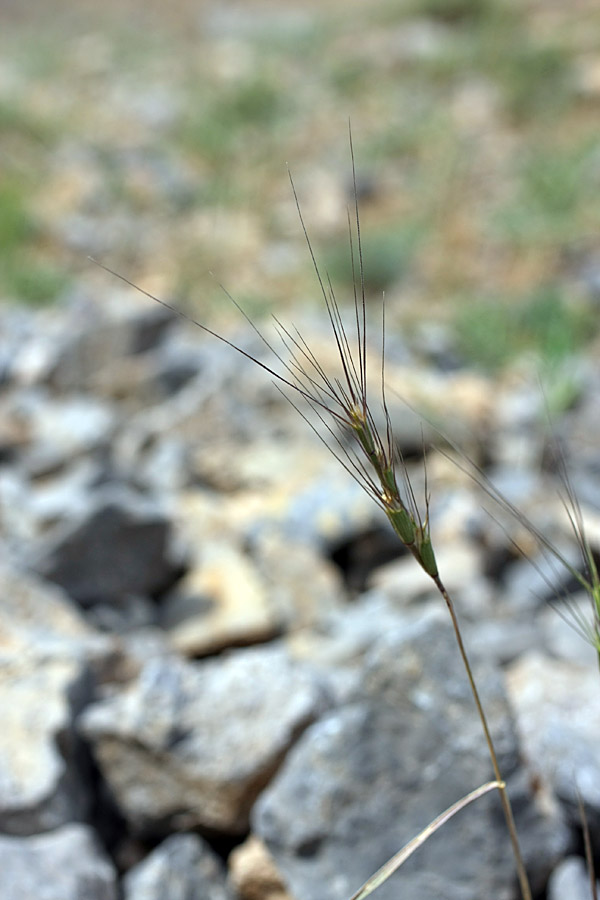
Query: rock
x=253 y=874
x=247 y=576
x=570 y=881
x=220 y=603
x=239 y=595
x=98 y=339
x=17 y=524
x=16 y=326
x=321 y=507
x=501 y=639
x=164 y=469
x=192 y=745
x=65 y=428
x=64 y=495
x=37 y=620
x=460 y=564
x=530 y=584
x=517 y=443
x=558 y=718
x=49 y=432
x=299 y=601
x=41 y=774
x=38 y=347
x=122 y=546
x=369 y=776
x=340 y=641
x=133 y=612
x=217 y=413
x=65 y=864
x=183 y=867
x=558 y=627
x=46 y=651
x=179 y=359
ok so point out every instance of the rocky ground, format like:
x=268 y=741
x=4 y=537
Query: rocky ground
x=222 y=677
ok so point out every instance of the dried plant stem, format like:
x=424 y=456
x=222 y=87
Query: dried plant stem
x=407 y=851
x=587 y=843
x=504 y=798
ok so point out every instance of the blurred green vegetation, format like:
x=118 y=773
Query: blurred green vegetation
x=387 y=255
x=555 y=196
x=162 y=141
x=23 y=275
x=492 y=331
x=235 y=118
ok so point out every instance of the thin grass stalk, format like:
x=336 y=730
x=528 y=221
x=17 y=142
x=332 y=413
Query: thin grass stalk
x=587 y=843
x=504 y=798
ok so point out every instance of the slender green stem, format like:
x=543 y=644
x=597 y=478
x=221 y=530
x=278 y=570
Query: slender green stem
x=504 y=798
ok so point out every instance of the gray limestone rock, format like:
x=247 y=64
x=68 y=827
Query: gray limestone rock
x=367 y=777
x=121 y=546
x=221 y=602
x=41 y=785
x=97 y=340
x=570 y=881
x=189 y=745
x=64 y=428
x=65 y=864
x=183 y=867
x=37 y=619
x=558 y=717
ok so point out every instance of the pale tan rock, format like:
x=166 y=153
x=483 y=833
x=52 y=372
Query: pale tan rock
x=305 y=588
x=588 y=76
x=220 y=603
x=37 y=619
x=46 y=652
x=253 y=873
x=39 y=787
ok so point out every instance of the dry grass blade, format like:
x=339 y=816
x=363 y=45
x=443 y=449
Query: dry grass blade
x=587 y=843
x=393 y=864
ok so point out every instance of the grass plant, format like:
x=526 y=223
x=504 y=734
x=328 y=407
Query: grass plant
x=345 y=410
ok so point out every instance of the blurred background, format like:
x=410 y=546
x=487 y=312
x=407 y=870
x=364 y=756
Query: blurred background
x=188 y=579
x=155 y=137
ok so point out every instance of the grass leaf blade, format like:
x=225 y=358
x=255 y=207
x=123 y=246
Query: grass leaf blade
x=396 y=861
